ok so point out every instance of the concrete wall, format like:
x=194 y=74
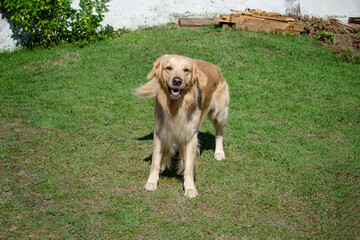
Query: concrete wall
x=133 y=14
x=139 y=13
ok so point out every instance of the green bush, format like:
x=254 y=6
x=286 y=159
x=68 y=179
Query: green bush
x=54 y=21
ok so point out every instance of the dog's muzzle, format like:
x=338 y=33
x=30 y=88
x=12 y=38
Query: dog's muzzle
x=175 y=90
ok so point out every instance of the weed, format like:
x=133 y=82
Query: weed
x=323 y=36
x=350 y=56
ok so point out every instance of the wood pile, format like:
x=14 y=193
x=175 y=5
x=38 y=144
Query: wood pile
x=258 y=20
x=195 y=22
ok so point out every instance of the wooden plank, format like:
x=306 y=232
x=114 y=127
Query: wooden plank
x=195 y=22
x=281 y=19
x=271 y=14
x=248 y=24
x=254 y=24
x=260 y=13
x=225 y=17
x=286 y=32
x=346 y=25
x=296 y=27
x=218 y=21
x=241 y=12
x=271 y=26
x=355 y=20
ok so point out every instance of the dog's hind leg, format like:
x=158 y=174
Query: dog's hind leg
x=155 y=168
x=218 y=117
x=219 y=150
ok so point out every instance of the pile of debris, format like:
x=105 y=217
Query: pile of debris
x=332 y=31
x=344 y=38
x=258 y=20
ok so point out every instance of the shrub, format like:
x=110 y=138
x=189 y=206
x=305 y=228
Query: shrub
x=54 y=21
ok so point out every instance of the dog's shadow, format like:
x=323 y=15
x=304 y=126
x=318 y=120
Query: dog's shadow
x=206 y=142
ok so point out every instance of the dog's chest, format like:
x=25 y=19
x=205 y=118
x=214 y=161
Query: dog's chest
x=177 y=129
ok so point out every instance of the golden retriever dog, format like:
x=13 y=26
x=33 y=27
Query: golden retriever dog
x=185 y=91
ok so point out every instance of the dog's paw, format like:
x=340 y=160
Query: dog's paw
x=150 y=186
x=219 y=156
x=191 y=193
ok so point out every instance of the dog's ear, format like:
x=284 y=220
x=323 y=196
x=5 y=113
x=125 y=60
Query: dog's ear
x=199 y=77
x=156 y=70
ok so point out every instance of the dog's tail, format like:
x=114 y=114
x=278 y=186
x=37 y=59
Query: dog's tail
x=149 y=90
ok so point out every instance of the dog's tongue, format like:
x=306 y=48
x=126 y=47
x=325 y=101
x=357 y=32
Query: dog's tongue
x=175 y=92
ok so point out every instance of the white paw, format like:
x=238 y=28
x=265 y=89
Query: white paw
x=191 y=193
x=150 y=186
x=219 y=156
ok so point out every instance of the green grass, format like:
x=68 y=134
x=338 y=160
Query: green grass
x=75 y=143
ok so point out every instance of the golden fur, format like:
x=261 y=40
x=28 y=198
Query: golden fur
x=186 y=90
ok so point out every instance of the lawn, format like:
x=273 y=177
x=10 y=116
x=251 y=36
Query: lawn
x=76 y=144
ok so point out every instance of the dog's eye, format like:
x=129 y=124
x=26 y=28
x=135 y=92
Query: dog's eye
x=169 y=68
x=186 y=70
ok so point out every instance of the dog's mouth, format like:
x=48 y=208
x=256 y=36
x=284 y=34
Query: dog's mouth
x=175 y=89
x=174 y=92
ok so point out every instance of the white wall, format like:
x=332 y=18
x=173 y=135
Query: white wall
x=6 y=41
x=133 y=14
x=341 y=9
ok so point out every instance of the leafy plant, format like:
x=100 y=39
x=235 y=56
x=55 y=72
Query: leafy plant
x=51 y=22
x=324 y=36
x=86 y=24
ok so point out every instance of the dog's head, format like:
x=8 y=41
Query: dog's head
x=176 y=74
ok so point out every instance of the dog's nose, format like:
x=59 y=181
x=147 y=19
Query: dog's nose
x=177 y=81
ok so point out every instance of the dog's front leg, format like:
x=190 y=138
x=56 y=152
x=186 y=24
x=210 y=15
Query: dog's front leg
x=190 y=161
x=155 y=165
